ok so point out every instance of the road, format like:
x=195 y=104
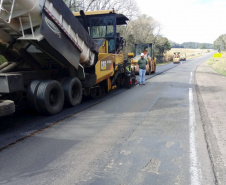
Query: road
x=148 y=134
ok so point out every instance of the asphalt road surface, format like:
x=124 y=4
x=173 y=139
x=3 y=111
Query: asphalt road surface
x=149 y=135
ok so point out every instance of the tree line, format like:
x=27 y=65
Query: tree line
x=140 y=29
x=192 y=45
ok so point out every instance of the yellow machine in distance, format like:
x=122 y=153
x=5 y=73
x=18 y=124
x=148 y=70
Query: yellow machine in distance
x=183 y=57
x=148 y=50
x=176 y=57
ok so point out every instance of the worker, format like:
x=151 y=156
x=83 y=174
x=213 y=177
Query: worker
x=142 y=69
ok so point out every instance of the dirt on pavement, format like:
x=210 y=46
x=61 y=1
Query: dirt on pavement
x=211 y=92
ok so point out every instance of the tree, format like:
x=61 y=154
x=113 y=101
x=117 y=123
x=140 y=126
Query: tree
x=220 y=43
x=162 y=45
x=203 y=46
x=176 y=45
x=139 y=30
x=145 y=29
x=127 y=7
x=193 y=45
x=74 y=5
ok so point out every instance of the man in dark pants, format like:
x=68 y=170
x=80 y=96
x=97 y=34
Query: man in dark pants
x=142 y=69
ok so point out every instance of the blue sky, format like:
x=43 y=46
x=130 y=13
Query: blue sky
x=187 y=20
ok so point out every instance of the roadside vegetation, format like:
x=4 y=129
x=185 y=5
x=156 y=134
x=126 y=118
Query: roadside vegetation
x=2 y=59
x=218 y=64
x=220 y=43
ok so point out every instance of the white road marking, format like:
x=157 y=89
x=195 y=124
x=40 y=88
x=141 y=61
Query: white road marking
x=191 y=77
x=194 y=167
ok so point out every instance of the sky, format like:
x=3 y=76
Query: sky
x=187 y=20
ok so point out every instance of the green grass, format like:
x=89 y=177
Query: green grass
x=2 y=59
x=218 y=65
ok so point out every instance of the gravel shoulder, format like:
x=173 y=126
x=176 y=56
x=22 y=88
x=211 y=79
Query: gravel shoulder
x=211 y=93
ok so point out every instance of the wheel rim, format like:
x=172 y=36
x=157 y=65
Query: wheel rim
x=53 y=97
x=75 y=92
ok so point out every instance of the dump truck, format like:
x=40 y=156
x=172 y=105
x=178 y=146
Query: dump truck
x=148 y=50
x=54 y=58
x=176 y=58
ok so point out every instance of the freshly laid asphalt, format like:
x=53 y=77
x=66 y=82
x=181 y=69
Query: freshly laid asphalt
x=148 y=134
x=28 y=122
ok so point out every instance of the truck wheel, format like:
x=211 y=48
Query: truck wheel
x=32 y=93
x=50 y=97
x=7 y=107
x=72 y=91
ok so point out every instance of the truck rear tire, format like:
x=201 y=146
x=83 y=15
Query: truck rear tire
x=7 y=107
x=72 y=91
x=32 y=94
x=50 y=97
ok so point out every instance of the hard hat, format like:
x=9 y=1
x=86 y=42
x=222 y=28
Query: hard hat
x=141 y=54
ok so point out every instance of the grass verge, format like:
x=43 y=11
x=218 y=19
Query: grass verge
x=218 y=64
x=2 y=59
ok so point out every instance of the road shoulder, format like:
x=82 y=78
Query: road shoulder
x=211 y=94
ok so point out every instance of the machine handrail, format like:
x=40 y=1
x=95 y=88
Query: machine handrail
x=11 y=11
x=1 y=6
